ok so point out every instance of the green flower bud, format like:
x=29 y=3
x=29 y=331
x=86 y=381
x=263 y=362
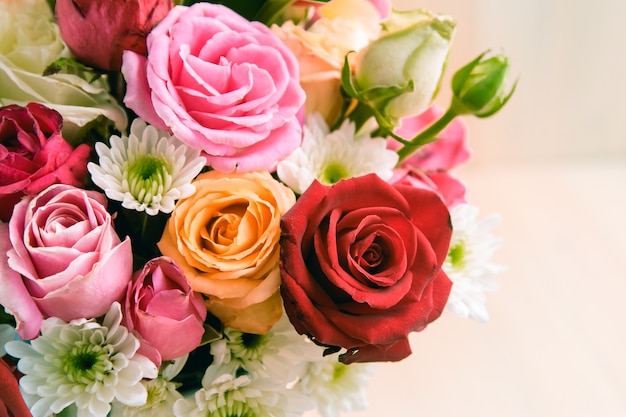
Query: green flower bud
x=480 y=87
x=399 y=73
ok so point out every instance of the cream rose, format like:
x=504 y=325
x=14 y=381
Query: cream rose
x=29 y=42
x=225 y=239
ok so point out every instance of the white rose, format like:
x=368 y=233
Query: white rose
x=413 y=47
x=29 y=42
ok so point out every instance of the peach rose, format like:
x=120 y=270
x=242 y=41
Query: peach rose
x=225 y=239
x=341 y=26
x=320 y=71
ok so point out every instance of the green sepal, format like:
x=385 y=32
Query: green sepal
x=347 y=82
x=73 y=67
x=462 y=74
x=211 y=334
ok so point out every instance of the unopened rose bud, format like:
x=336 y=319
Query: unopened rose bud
x=480 y=88
x=97 y=32
x=399 y=73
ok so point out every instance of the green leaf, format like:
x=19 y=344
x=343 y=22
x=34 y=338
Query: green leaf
x=99 y=129
x=271 y=11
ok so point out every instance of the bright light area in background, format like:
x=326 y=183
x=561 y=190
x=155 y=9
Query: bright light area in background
x=553 y=164
x=570 y=57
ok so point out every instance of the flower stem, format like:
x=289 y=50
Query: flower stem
x=427 y=136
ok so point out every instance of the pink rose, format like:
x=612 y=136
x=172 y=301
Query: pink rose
x=61 y=257
x=162 y=308
x=221 y=84
x=449 y=151
x=361 y=265
x=449 y=188
x=34 y=155
x=97 y=32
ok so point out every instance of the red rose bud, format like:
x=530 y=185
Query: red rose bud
x=361 y=265
x=34 y=154
x=97 y=32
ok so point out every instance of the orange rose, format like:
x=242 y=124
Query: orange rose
x=225 y=239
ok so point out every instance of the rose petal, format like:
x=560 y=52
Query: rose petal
x=13 y=294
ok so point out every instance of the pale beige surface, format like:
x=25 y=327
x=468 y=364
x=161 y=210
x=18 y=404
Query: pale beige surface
x=556 y=341
x=553 y=164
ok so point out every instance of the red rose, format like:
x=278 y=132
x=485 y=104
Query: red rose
x=97 y=32
x=361 y=265
x=11 y=401
x=34 y=155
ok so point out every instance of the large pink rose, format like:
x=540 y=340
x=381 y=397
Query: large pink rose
x=34 y=154
x=97 y=32
x=221 y=84
x=361 y=265
x=61 y=257
x=161 y=307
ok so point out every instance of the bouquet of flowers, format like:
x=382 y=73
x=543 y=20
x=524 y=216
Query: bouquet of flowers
x=229 y=209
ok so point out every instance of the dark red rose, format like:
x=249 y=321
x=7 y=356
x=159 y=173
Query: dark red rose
x=11 y=402
x=97 y=32
x=361 y=265
x=34 y=154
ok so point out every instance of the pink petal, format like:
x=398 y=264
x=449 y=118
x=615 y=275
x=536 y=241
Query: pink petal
x=92 y=295
x=13 y=294
x=137 y=90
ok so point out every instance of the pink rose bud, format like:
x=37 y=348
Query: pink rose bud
x=34 y=154
x=161 y=307
x=97 y=32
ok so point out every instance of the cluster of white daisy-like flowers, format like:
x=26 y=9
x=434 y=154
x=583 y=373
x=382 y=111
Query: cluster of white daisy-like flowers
x=82 y=363
x=279 y=374
x=148 y=170
x=332 y=156
x=469 y=263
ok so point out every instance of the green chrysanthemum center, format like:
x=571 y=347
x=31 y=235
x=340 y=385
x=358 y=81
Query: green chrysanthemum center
x=456 y=255
x=148 y=176
x=339 y=371
x=252 y=341
x=234 y=409
x=86 y=363
x=249 y=346
x=334 y=172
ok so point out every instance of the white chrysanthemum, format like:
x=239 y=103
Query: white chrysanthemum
x=279 y=353
x=7 y=333
x=469 y=264
x=228 y=391
x=333 y=156
x=162 y=394
x=336 y=387
x=148 y=170
x=83 y=363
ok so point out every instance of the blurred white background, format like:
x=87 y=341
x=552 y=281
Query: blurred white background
x=553 y=164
